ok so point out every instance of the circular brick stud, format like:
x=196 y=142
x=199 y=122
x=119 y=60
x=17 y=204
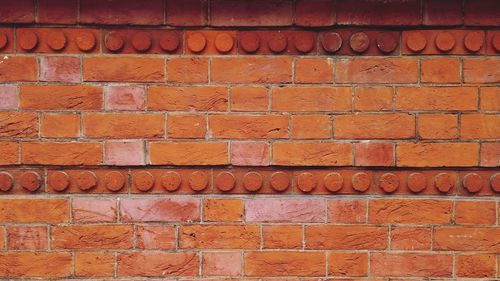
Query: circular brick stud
x=416 y=182
x=277 y=42
x=331 y=42
x=196 y=42
x=306 y=182
x=30 y=181
x=474 y=41
x=389 y=182
x=6 y=181
x=416 y=42
x=143 y=181
x=252 y=181
x=28 y=40
x=473 y=182
x=225 y=181
x=280 y=181
x=495 y=42
x=141 y=42
x=86 y=180
x=333 y=182
x=495 y=182
x=304 y=43
x=198 y=181
x=57 y=40
x=224 y=42
x=249 y=42
x=3 y=40
x=114 y=181
x=171 y=181
x=85 y=41
x=59 y=181
x=114 y=42
x=443 y=182
x=386 y=43
x=359 y=42
x=169 y=42
x=445 y=41
x=361 y=182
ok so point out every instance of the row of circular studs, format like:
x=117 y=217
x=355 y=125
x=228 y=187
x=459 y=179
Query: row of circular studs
x=445 y=41
x=252 y=181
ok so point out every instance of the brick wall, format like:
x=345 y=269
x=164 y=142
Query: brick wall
x=250 y=140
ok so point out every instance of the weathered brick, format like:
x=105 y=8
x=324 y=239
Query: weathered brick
x=159 y=210
x=60 y=69
x=312 y=153
x=222 y=210
x=27 y=238
x=61 y=153
x=282 y=236
x=251 y=70
x=219 y=237
x=123 y=125
x=123 y=69
x=189 y=153
x=411 y=265
x=411 y=238
x=91 y=237
x=249 y=98
x=377 y=70
x=409 y=211
x=158 y=264
x=330 y=237
x=188 y=98
x=92 y=264
x=374 y=126
x=437 y=154
x=222 y=264
x=18 y=125
x=277 y=263
x=347 y=264
x=160 y=237
x=60 y=97
x=285 y=210
x=248 y=126
x=311 y=99
x=34 y=264
x=93 y=210
x=196 y=67
x=477 y=239
x=34 y=210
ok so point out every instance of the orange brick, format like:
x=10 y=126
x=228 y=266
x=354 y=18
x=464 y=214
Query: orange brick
x=188 y=98
x=347 y=211
x=413 y=265
x=479 y=70
x=436 y=98
x=222 y=210
x=246 y=98
x=373 y=99
x=348 y=264
x=312 y=153
x=34 y=210
x=124 y=69
x=92 y=237
x=250 y=153
x=9 y=153
x=336 y=237
x=438 y=126
x=313 y=70
x=475 y=266
x=219 y=237
x=376 y=70
x=374 y=126
x=61 y=153
x=248 y=126
x=27 y=238
x=310 y=126
x=18 y=124
x=158 y=264
x=60 y=97
x=437 y=154
x=490 y=154
x=34 y=264
x=411 y=211
x=287 y=263
x=475 y=212
x=440 y=70
x=282 y=236
x=290 y=99
x=18 y=69
x=374 y=154
x=60 y=125
x=189 y=153
x=490 y=98
x=478 y=239
x=187 y=70
x=186 y=126
x=411 y=238
x=90 y=264
x=251 y=70
x=124 y=125
x=480 y=126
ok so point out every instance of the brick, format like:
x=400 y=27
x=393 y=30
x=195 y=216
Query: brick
x=437 y=126
x=490 y=154
x=373 y=99
x=301 y=99
x=186 y=126
x=314 y=70
x=347 y=264
x=289 y=263
x=411 y=265
x=187 y=13
x=285 y=210
x=9 y=153
x=92 y=237
x=223 y=210
x=219 y=237
x=8 y=97
x=248 y=126
x=57 y=11
x=411 y=211
x=250 y=153
x=124 y=125
x=124 y=153
x=196 y=67
x=18 y=69
x=490 y=98
x=481 y=13
x=377 y=70
x=22 y=11
x=475 y=212
x=118 y=12
x=310 y=126
x=442 y=12
x=2 y=238
x=34 y=264
x=440 y=70
x=93 y=210
x=374 y=154
x=251 y=70
x=61 y=153
x=312 y=153
x=158 y=264
x=156 y=237
x=437 y=154
x=34 y=211
x=348 y=211
x=188 y=98
x=314 y=13
x=330 y=237
x=411 y=238
x=60 y=69
x=251 y=13
x=374 y=126
x=27 y=238
x=477 y=266
x=479 y=70
x=124 y=69
x=480 y=126
x=282 y=236
x=89 y=264
x=60 y=125
x=60 y=97
x=159 y=210
x=189 y=153
x=18 y=125
x=361 y=12
x=478 y=239
x=436 y=98
x=249 y=98
x=124 y=97
x=222 y=264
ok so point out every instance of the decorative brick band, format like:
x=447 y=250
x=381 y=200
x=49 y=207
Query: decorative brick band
x=247 y=181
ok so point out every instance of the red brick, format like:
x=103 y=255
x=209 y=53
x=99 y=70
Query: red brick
x=57 y=11
x=93 y=210
x=124 y=69
x=156 y=237
x=374 y=154
x=34 y=264
x=188 y=98
x=225 y=210
x=2 y=238
x=125 y=153
x=158 y=210
x=18 y=125
x=480 y=126
x=481 y=13
x=490 y=154
x=251 y=70
x=119 y=12
x=282 y=236
x=410 y=211
x=249 y=98
x=490 y=98
x=475 y=266
x=187 y=70
x=9 y=153
x=347 y=211
x=440 y=70
x=437 y=154
x=219 y=237
x=187 y=126
x=277 y=263
x=479 y=70
x=158 y=264
x=361 y=12
x=91 y=264
x=124 y=97
x=60 y=69
x=222 y=264
x=411 y=265
x=189 y=153
x=411 y=238
x=250 y=153
x=8 y=97
x=61 y=153
x=310 y=126
x=121 y=125
x=347 y=264
x=333 y=237
x=60 y=125
x=34 y=211
x=92 y=237
x=475 y=212
x=285 y=210
x=248 y=126
x=314 y=70
x=27 y=238
x=437 y=98
x=442 y=12
x=60 y=97
x=373 y=99
x=314 y=13
x=377 y=70
x=295 y=99
x=187 y=12
x=374 y=126
x=437 y=126
x=251 y=13
x=18 y=69
x=312 y=153
x=478 y=239
x=19 y=11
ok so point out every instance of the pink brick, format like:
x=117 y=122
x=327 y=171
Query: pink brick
x=123 y=153
x=27 y=238
x=156 y=237
x=490 y=154
x=124 y=98
x=94 y=210
x=222 y=264
x=60 y=69
x=250 y=153
x=153 y=209
x=285 y=210
x=8 y=97
x=374 y=154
